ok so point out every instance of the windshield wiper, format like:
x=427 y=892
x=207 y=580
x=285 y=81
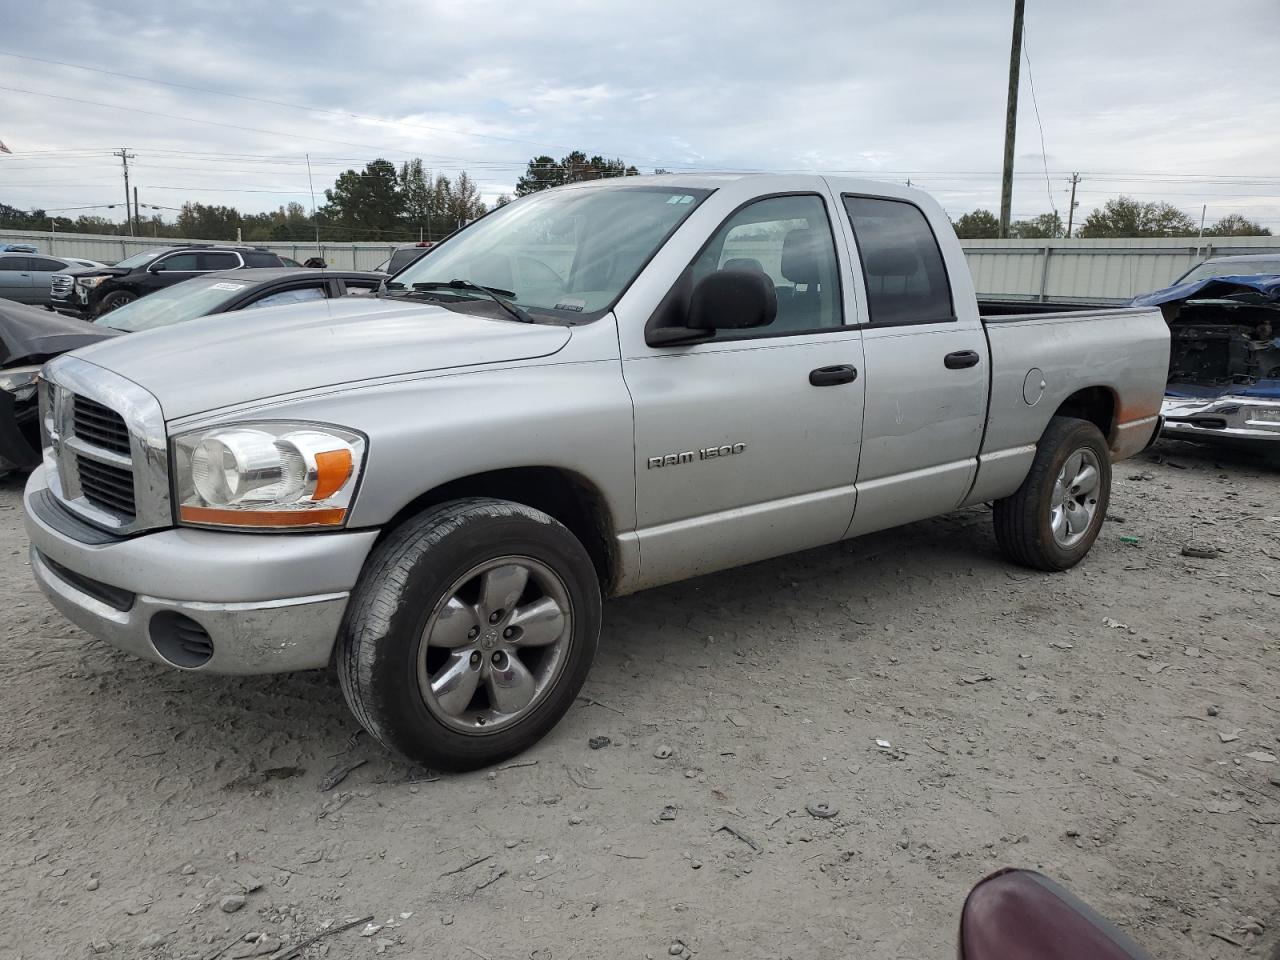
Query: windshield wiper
x=496 y=294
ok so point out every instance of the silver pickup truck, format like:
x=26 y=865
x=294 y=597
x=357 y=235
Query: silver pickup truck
x=588 y=392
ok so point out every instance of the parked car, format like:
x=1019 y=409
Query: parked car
x=593 y=390
x=1249 y=265
x=1224 y=363
x=215 y=293
x=26 y=277
x=28 y=337
x=402 y=256
x=93 y=293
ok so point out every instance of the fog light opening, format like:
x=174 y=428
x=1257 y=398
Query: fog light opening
x=180 y=640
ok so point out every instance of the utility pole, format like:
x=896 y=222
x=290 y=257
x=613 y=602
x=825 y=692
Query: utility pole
x=1011 y=119
x=1071 y=210
x=125 y=156
x=137 y=211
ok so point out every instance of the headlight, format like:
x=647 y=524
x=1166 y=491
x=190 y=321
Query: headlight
x=267 y=475
x=91 y=281
x=19 y=381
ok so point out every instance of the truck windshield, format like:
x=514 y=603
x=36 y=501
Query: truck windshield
x=566 y=251
x=139 y=259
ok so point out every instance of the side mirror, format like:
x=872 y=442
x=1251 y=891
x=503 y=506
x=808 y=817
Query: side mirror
x=1023 y=915
x=723 y=300
x=156 y=267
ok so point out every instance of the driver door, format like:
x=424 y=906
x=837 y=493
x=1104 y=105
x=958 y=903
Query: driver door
x=747 y=445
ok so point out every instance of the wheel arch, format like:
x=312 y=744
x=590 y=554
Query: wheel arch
x=569 y=497
x=1097 y=405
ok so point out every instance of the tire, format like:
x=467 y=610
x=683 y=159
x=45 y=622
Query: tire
x=1025 y=522
x=421 y=615
x=116 y=298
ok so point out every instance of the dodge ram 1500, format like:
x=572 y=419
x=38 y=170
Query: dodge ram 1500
x=590 y=391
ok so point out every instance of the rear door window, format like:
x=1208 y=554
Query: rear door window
x=14 y=263
x=261 y=259
x=901 y=263
x=220 y=261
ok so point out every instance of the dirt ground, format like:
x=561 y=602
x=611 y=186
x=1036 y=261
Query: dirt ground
x=1115 y=726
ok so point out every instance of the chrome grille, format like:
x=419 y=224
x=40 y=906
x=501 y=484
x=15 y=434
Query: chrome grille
x=106 y=456
x=61 y=284
x=106 y=486
x=100 y=426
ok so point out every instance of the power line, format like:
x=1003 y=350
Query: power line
x=1044 y=156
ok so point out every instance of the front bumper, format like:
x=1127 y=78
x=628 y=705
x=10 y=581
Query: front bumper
x=1222 y=419
x=268 y=603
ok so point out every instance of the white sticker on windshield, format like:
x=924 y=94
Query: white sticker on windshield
x=228 y=286
x=680 y=198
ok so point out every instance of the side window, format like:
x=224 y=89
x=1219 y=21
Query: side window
x=298 y=295
x=789 y=240
x=260 y=259
x=219 y=261
x=905 y=276
x=45 y=265
x=14 y=263
x=361 y=288
x=179 y=261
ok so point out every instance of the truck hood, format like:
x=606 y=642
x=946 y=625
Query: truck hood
x=29 y=334
x=233 y=358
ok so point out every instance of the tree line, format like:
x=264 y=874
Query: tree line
x=378 y=202
x=1121 y=217
x=383 y=202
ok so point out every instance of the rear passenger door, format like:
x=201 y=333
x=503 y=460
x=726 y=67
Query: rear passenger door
x=42 y=271
x=926 y=366
x=15 y=277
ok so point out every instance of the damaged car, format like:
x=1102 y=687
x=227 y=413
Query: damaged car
x=1224 y=361
x=28 y=337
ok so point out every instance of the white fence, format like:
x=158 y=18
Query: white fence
x=1111 y=271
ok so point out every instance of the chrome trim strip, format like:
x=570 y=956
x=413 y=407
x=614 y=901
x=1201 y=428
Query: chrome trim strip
x=148 y=443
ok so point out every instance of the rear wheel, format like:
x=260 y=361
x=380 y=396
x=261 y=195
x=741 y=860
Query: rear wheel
x=470 y=633
x=117 y=298
x=1055 y=516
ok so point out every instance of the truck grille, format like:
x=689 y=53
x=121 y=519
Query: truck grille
x=107 y=486
x=60 y=286
x=100 y=426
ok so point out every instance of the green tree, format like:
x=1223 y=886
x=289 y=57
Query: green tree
x=502 y=201
x=1126 y=217
x=367 y=203
x=543 y=172
x=464 y=201
x=1045 y=226
x=1237 y=225
x=978 y=225
x=208 y=221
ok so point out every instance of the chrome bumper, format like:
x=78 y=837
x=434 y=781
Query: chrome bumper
x=1222 y=418
x=269 y=603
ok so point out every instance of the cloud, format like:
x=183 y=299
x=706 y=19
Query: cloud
x=1125 y=92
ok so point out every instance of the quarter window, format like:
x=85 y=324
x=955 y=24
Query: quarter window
x=789 y=240
x=45 y=265
x=901 y=263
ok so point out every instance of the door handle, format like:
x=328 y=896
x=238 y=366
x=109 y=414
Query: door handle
x=961 y=359
x=830 y=376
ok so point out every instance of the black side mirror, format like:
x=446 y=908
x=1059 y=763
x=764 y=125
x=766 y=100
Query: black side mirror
x=723 y=300
x=156 y=267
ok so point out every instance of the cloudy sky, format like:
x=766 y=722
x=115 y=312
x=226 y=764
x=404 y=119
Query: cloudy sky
x=1174 y=100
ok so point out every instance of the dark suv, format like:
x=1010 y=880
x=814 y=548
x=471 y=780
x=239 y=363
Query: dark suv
x=96 y=292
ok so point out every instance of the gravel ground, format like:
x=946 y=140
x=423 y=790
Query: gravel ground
x=1111 y=726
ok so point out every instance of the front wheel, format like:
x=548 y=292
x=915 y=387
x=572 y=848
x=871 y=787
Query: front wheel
x=1052 y=520
x=470 y=633
x=117 y=298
